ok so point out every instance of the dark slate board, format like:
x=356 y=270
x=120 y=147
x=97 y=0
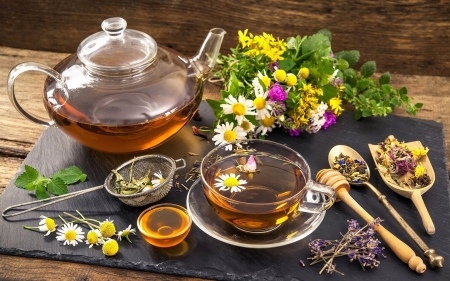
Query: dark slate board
x=201 y=255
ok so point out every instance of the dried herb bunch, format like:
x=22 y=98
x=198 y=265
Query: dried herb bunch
x=357 y=244
x=353 y=170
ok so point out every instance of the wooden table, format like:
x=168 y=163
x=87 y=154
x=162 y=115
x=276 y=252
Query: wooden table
x=18 y=136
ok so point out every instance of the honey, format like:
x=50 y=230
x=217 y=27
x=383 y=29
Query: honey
x=164 y=225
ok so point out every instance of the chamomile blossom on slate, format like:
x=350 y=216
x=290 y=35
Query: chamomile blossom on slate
x=45 y=225
x=158 y=180
x=125 y=233
x=230 y=182
x=70 y=233
x=227 y=133
x=94 y=237
x=110 y=247
x=107 y=228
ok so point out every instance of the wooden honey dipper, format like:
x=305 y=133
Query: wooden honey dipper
x=342 y=187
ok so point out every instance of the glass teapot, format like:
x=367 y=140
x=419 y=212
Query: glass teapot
x=121 y=92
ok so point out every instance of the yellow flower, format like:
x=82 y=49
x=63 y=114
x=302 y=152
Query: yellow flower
x=110 y=248
x=304 y=72
x=419 y=171
x=244 y=39
x=107 y=229
x=291 y=80
x=335 y=104
x=280 y=75
x=419 y=152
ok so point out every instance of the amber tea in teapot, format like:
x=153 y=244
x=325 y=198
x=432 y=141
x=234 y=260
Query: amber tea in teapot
x=121 y=92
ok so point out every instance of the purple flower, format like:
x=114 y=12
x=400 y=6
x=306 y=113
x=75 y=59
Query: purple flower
x=294 y=132
x=277 y=93
x=274 y=66
x=332 y=55
x=330 y=119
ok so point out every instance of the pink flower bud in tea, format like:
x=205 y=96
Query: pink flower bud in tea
x=250 y=166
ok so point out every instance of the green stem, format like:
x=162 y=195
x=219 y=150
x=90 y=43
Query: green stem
x=34 y=228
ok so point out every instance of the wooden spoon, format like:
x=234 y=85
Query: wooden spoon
x=435 y=260
x=402 y=250
x=414 y=194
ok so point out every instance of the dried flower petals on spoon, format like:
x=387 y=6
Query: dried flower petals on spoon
x=400 y=164
x=354 y=170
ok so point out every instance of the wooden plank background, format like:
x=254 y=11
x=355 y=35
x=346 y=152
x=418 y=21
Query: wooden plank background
x=404 y=37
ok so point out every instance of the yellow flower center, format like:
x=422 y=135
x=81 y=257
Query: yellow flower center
x=259 y=103
x=92 y=237
x=229 y=136
x=291 y=80
x=238 y=109
x=107 y=229
x=268 y=121
x=50 y=223
x=245 y=125
x=110 y=248
x=266 y=80
x=280 y=75
x=161 y=180
x=70 y=235
x=230 y=182
x=304 y=72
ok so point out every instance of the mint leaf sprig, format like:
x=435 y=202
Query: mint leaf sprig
x=56 y=184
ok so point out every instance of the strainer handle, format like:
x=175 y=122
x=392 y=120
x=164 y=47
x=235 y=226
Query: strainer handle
x=52 y=200
x=181 y=167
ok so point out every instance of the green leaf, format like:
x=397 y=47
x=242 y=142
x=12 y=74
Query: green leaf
x=385 y=78
x=286 y=64
x=291 y=43
x=57 y=186
x=30 y=186
x=403 y=91
x=366 y=113
x=234 y=87
x=352 y=57
x=350 y=77
x=342 y=64
x=329 y=92
x=368 y=69
x=357 y=114
x=418 y=105
x=314 y=43
x=41 y=192
x=26 y=177
x=215 y=106
x=69 y=175
x=363 y=84
x=325 y=32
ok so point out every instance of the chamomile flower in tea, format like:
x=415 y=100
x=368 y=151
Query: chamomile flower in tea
x=71 y=234
x=230 y=182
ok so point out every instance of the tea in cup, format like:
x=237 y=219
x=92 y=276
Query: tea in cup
x=261 y=184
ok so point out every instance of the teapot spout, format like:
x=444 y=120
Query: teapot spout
x=205 y=59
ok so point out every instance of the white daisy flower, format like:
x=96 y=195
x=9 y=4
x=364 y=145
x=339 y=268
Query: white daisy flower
x=266 y=125
x=227 y=133
x=47 y=224
x=247 y=126
x=261 y=105
x=94 y=237
x=125 y=233
x=159 y=179
x=71 y=234
x=238 y=107
x=230 y=182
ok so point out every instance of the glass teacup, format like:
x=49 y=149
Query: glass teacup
x=260 y=184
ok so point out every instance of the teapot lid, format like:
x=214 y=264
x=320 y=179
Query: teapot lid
x=117 y=50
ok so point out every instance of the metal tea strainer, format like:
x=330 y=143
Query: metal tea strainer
x=139 y=167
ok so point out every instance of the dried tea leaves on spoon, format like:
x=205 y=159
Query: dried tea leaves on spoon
x=354 y=170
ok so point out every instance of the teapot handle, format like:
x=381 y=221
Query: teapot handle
x=21 y=68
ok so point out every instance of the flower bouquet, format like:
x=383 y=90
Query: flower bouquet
x=298 y=85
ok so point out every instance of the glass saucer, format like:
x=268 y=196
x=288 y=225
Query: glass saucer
x=209 y=222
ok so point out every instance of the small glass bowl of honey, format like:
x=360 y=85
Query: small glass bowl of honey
x=164 y=225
